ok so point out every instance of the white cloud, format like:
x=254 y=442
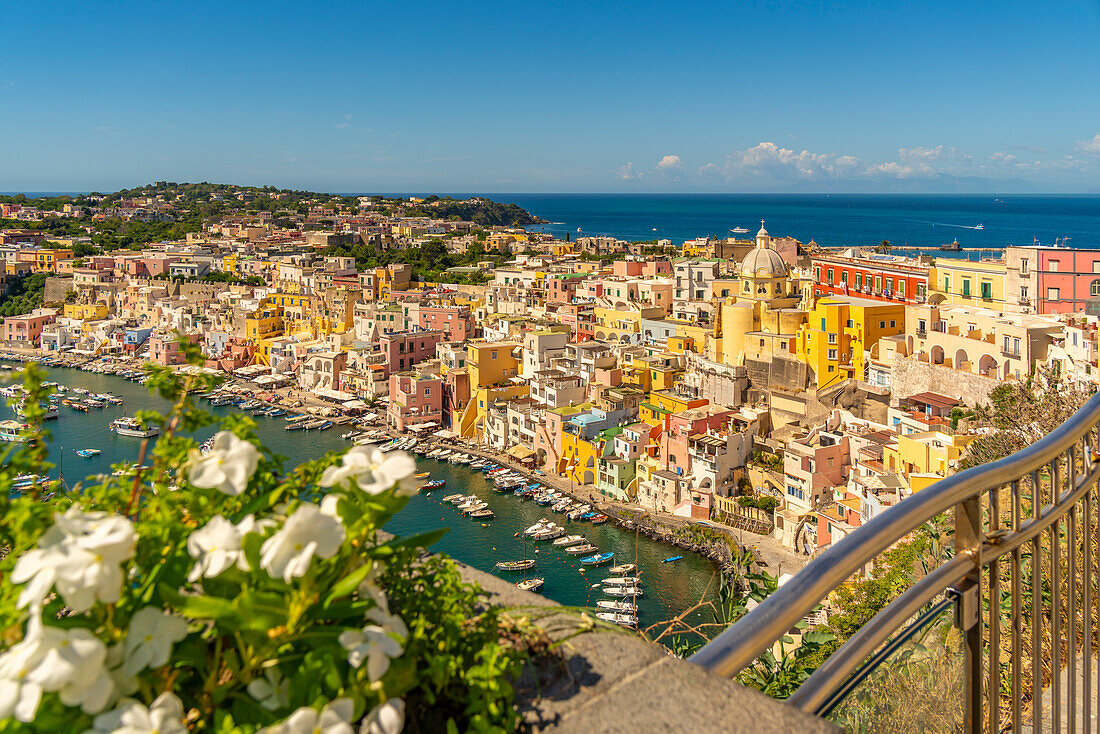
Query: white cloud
x=627 y=172
x=669 y=163
x=1090 y=147
x=1002 y=157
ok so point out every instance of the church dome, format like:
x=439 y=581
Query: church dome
x=763 y=232
x=764 y=262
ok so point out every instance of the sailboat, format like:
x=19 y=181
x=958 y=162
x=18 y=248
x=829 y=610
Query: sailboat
x=532 y=584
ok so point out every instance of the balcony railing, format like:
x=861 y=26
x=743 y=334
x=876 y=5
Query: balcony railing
x=1022 y=583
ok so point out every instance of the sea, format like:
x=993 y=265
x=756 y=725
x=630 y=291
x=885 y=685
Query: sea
x=831 y=220
x=668 y=588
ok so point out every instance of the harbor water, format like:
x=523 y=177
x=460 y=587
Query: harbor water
x=668 y=588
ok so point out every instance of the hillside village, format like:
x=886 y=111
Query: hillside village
x=763 y=383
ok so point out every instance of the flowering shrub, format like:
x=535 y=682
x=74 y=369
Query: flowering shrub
x=218 y=592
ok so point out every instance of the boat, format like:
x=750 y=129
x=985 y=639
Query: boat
x=623 y=569
x=540 y=525
x=598 y=559
x=474 y=507
x=422 y=475
x=624 y=591
x=577 y=549
x=482 y=514
x=131 y=427
x=979 y=226
x=85 y=453
x=95 y=403
x=599 y=519
x=623 y=607
x=276 y=412
x=434 y=484
x=739 y=230
x=549 y=533
x=531 y=584
x=516 y=565
x=670 y=559
x=10 y=432
x=452 y=497
x=569 y=540
x=622 y=581
x=623 y=620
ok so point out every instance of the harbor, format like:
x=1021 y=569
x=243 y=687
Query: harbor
x=667 y=589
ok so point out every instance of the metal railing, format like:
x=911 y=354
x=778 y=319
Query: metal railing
x=1023 y=578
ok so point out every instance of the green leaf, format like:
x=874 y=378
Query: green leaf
x=260 y=610
x=348 y=584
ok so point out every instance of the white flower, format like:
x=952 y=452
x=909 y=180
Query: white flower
x=373 y=644
x=335 y=718
x=368 y=587
x=373 y=471
x=150 y=638
x=164 y=716
x=308 y=531
x=227 y=468
x=272 y=691
x=387 y=718
x=391 y=623
x=49 y=659
x=19 y=692
x=80 y=554
x=217 y=546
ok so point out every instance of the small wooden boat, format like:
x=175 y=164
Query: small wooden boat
x=531 y=584
x=434 y=484
x=86 y=453
x=597 y=559
x=422 y=475
x=569 y=540
x=622 y=581
x=623 y=607
x=452 y=497
x=482 y=514
x=577 y=549
x=516 y=565
x=600 y=519
x=623 y=569
x=670 y=559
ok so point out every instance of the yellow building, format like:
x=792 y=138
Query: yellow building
x=266 y=322
x=840 y=330
x=492 y=369
x=662 y=403
x=623 y=323
x=922 y=458
x=492 y=363
x=967 y=283
x=45 y=261
x=580 y=457
x=86 y=311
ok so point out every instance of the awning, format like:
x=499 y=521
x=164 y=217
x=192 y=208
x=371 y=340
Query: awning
x=520 y=452
x=354 y=405
x=444 y=433
x=418 y=427
x=338 y=396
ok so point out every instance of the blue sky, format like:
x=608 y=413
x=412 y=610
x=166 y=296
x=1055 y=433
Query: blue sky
x=553 y=96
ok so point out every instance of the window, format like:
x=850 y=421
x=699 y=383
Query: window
x=901 y=287
x=1094 y=288
x=1023 y=265
x=1052 y=294
x=832 y=337
x=844 y=277
x=832 y=354
x=966 y=286
x=946 y=284
x=1023 y=292
x=427 y=392
x=920 y=290
x=1053 y=264
x=893 y=324
x=882 y=324
x=878 y=283
x=830 y=276
x=851 y=323
x=987 y=290
x=1008 y=344
x=922 y=326
x=859 y=280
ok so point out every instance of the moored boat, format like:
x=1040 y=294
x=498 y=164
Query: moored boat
x=578 y=549
x=597 y=559
x=531 y=584
x=516 y=565
x=86 y=453
x=132 y=427
x=623 y=569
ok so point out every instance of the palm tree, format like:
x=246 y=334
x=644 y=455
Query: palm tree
x=884 y=246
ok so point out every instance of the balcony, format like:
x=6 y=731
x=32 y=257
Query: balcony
x=1020 y=569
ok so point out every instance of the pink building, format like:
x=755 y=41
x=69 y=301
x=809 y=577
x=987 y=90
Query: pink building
x=580 y=318
x=402 y=350
x=628 y=268
x=563 y=288
x=165 y=348
x=656 y=268
x=456 y=322
x=28 y=327
x=415 y=400
x=675 y=440
x=590 y=289
x=1053 y=279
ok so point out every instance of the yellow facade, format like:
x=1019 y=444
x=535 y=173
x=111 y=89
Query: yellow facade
x=491 y=363
x=662 y=403
x=917 y=456
x=45 y=261
x=839 y=331
x=967 y=283
x=265 y=322
x=580 y=458
x=614 y=323
x=86 y=311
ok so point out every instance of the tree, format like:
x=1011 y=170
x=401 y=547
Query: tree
x=884 y=246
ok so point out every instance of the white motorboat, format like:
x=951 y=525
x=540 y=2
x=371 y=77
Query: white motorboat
x=549 y=533
x=623 y=620
x=623 y=569
x=540 y=525
x=622 y=581
x=623 y=607
x=132 y=427
x=531 y=584
x=625 y=591
x=579 y=549
x=569 y=540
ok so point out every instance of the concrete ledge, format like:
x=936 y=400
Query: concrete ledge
x=615 y=681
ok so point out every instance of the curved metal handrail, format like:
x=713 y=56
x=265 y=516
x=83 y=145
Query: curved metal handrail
x=739 y=645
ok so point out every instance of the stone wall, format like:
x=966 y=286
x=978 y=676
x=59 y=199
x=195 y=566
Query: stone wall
x=718 y=383
x=911 y=377
x=56 y=288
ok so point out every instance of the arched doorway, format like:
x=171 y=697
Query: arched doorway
x=960 y=359
x=589 y=478
x=937 y=354
x=987 y=366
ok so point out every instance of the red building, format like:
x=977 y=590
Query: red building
x=880 y=278
x=403 y=349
